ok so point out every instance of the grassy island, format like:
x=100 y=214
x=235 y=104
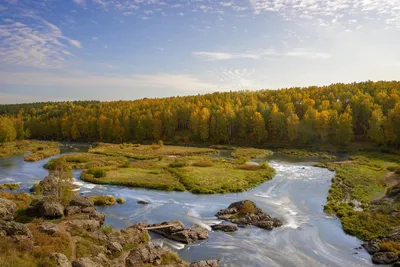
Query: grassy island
x=168 y=168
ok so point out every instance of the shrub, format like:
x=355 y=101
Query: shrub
x=177 y=164
x=248 y=208
x=98 y=173
x=103 y=200
x=9 y=186
x=170 y=258
x=121 y=200
x=107 y=229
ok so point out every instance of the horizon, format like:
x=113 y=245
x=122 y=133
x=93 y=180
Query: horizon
x=112 y=50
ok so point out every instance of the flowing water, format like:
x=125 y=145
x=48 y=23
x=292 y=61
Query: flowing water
x=296 y=194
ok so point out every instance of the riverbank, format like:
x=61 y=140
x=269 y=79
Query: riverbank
x=57 y=227
x=365 y=196
x=38 y=149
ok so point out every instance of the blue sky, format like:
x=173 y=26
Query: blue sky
x=128 y=49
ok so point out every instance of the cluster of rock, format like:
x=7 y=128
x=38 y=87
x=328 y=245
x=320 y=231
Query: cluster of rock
x=246 y=212
x=378 y=255
x=176 y=230
x=79 y=220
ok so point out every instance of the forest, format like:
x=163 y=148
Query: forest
x=337 y=115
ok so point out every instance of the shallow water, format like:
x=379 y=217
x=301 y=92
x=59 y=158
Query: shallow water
x=296 y=195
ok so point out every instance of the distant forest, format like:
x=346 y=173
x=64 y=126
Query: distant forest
x=337 y=114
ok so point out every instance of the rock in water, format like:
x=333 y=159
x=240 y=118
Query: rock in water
x=177 y=231
x=142 y=202
x=246 y=212
x=384 y=258
x=7 y=209
x=225 y=227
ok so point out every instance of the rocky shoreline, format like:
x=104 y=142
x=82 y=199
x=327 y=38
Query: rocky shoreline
x=57 y=213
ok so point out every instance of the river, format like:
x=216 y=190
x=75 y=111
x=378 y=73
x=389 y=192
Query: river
x=296 y=195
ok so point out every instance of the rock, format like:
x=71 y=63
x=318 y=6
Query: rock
x=371 y=246
x=225 y=227
x=82 y=202
x=88 y=225
x=210 y=263
x=61 y=260
x=51 y=209
x=98 y=216
x=48 y=228
x=114 y=247
x=178 y=232
x=246 y=212
x=396 y=264
x=7 y=209
x=14 y=229
x=89 y=210
x=384 y=258
x=85 y=262
x=142 y=202
x=48 y=208
x=149 y=254
x=71 y=210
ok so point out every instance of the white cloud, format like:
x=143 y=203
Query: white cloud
x=299 y=52
x=79 y=2
x=35 y=43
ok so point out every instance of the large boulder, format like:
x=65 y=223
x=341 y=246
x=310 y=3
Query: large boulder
x=61 y=260
x=48 y=208
x=48 y=228
x=114 y=247
x=384 y=258
x=210 y=263
x=14 y=229
x=246 y=212
x=7 y=209
x=71 y=210
x=149 y=254
x=81 y=201
x=225 y=227
x=176 y=230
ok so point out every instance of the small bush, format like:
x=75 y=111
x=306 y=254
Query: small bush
x=103 y=200
x=98 y=173
x=390 y=246
x=121 y=200
x=107 y=229
x=177 y=164
x=9 y=186
x=248 y=208
x=170 y=258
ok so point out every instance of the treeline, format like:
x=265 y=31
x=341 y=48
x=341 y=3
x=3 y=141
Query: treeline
x=12 y=129
x=335 y=114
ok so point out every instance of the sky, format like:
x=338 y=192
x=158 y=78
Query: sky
x=60 y=50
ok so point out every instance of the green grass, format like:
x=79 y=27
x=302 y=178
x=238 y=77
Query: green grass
x=305 y=153
x=87 y=161
x=250 y=153
x=201 y=175
x=362 y=179
x=151 y=177
x=223 y=177
x=11 y=187
x=145 y=152
x=103 y=200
